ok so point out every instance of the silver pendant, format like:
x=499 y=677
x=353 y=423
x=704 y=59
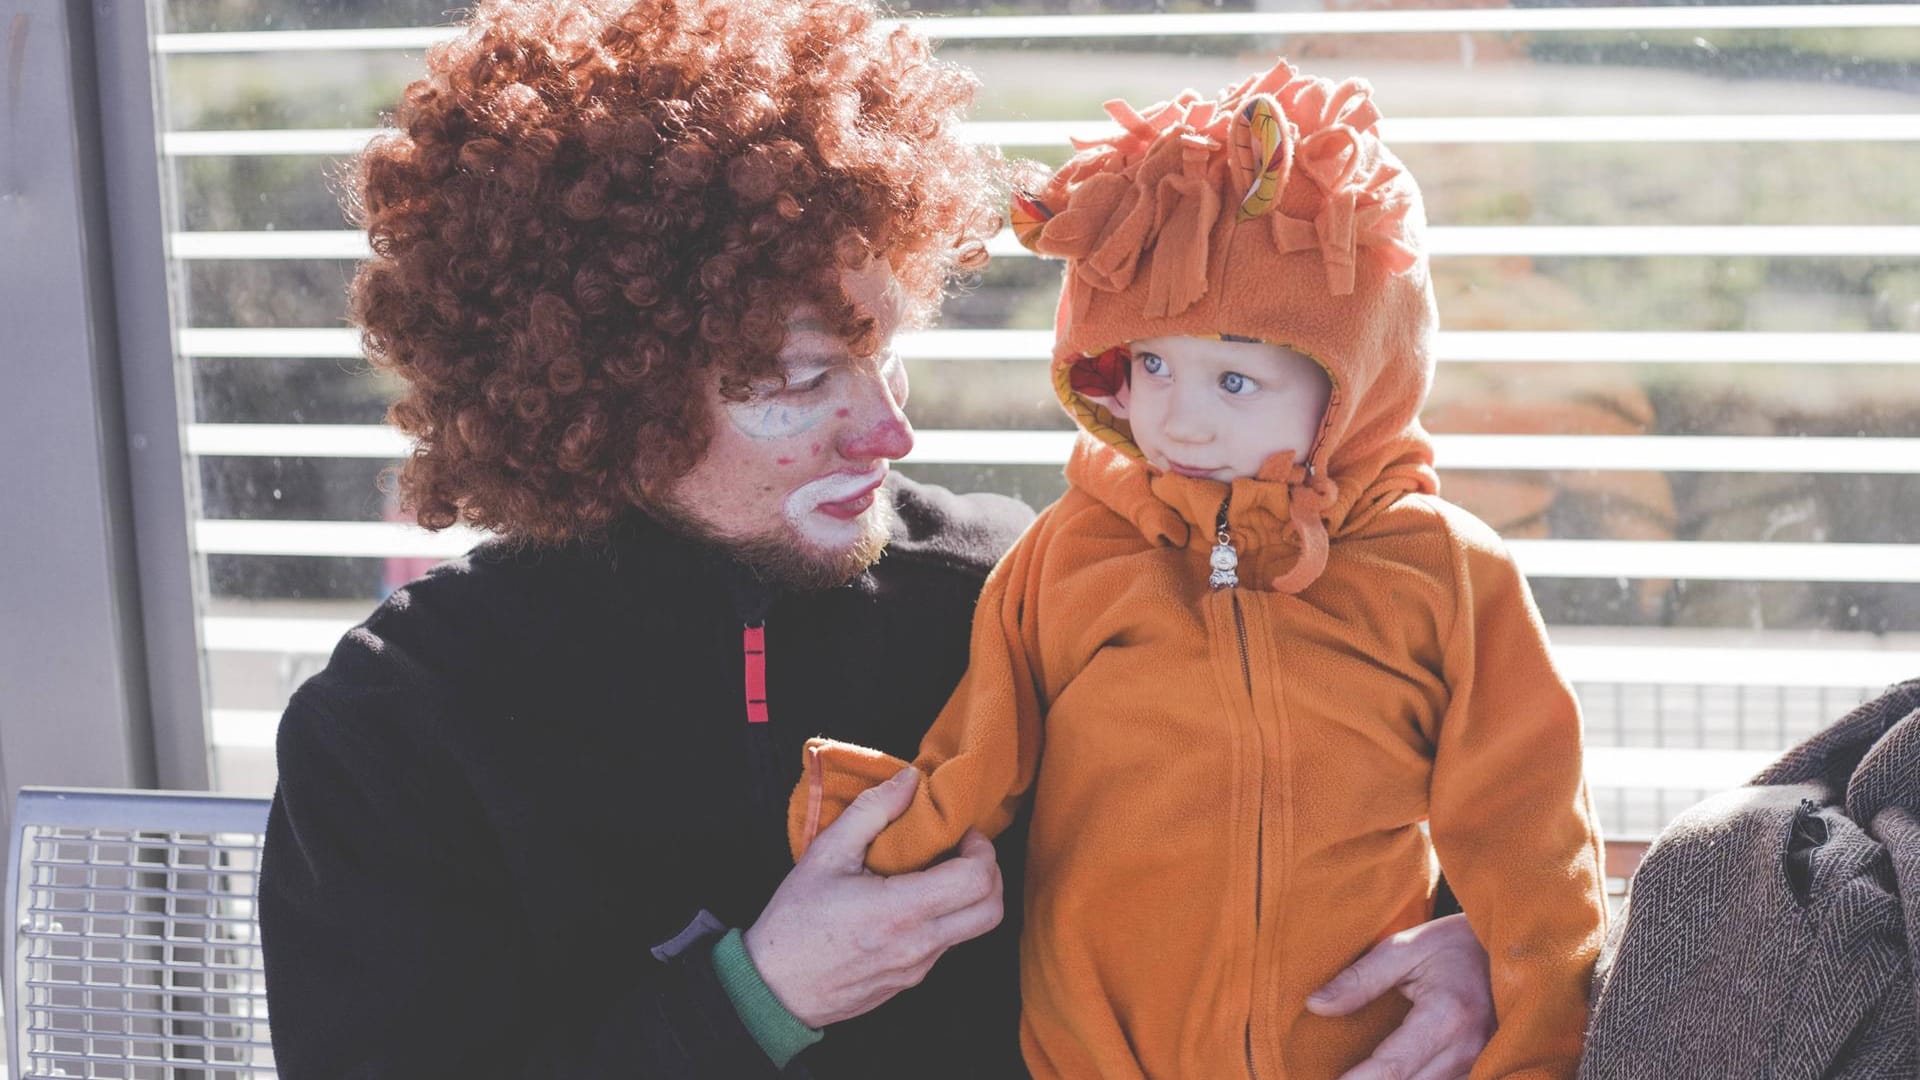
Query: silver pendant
x=1224 y=561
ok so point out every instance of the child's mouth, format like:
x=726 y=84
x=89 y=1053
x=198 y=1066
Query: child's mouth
x=1191 y=470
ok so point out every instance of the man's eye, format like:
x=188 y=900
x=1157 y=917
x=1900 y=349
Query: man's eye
x=809 y=384
x=1235 y=383
x=1152 y=364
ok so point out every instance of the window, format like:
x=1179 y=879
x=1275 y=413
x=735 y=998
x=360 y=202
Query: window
x=1677 y=250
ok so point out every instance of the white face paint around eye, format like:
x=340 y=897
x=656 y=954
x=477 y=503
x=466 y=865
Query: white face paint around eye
x=774 y=412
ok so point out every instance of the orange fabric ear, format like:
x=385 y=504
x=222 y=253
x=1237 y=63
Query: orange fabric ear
x=1260 y=146
x=1027 y=217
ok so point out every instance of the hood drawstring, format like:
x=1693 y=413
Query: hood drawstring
x=1223 y=558
x=1309 y=495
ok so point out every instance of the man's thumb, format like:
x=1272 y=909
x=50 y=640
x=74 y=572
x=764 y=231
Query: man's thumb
x=845 y=841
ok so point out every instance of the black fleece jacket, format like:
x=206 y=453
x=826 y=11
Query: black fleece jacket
x=517 y=785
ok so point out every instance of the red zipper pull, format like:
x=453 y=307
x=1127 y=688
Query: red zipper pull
x=753 y=647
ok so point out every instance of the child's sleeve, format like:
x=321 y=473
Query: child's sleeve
x=1512 y=820
x=979 y=757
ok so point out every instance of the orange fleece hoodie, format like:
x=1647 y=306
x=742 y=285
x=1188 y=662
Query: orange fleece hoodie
x=1236 y=791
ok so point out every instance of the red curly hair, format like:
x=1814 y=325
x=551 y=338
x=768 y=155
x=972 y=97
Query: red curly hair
x=590 y=206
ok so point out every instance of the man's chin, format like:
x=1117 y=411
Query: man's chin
x=788 y=559
x=785 y=556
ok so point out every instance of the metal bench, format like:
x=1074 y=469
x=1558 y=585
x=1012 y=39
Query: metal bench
x=134 y=953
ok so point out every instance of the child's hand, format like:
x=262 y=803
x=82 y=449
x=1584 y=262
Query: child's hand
x=837 y=941
x=1441 y=968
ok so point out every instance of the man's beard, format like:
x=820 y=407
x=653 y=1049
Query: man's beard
x=782 y=555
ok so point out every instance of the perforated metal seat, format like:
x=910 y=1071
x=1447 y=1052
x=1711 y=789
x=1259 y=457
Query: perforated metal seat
x=134 y=953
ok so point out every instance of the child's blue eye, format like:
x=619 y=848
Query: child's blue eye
x=1151 y=363
x=1235 y=383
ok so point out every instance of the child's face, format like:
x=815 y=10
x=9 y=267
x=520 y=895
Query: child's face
x=1219 y=409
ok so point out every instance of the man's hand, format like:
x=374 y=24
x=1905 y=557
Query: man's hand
x=1442 y=969
x=836 y=941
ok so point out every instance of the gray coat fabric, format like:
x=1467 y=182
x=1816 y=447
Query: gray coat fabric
x=1770 y=931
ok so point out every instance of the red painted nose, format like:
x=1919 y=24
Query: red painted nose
x=889 y=436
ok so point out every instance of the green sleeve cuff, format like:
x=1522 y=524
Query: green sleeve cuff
x=778 y=1031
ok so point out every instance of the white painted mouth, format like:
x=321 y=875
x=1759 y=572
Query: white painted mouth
x=838 y=487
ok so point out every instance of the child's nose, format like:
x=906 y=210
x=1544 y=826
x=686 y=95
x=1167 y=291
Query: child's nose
x=1188 y=420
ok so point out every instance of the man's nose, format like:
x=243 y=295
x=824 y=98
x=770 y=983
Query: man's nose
x=876 y=425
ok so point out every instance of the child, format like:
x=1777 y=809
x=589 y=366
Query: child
x=1250 y=654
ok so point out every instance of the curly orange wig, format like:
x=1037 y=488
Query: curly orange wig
x=591 y=206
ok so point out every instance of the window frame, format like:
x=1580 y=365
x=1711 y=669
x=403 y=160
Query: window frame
x=101 y=670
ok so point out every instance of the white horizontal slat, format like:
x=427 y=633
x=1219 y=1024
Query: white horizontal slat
x=272 y=634
x=317 y=342
x=268 y=142
x=1667 y=768
x=1692 y=665
x=1707 y=560
x=270 y=244
x=376 y=441
x=1676 y=347
x=384 y=38
x=1413 y=21
x=1495 y=346
x=244 y=729
x=1444 y=21
x=1636 y=453
x=1677 y=559
x=1705 y=128
x=1629 y=241
x=1410 y=130
x=1401 y=131
x=1639 y=241
x=1680 y=453
x=342 y=539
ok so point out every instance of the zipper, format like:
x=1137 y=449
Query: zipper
x=1259 y=833
x=1225 y=561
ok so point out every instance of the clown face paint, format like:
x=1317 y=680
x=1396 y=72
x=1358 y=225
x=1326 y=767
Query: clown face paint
x=776 y=412
x=791 y=479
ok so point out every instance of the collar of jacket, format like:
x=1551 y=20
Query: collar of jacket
x=655 y=561
x=1265 y=511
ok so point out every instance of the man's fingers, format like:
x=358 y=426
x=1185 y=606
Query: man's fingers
x=1448 y=1066
x=969 y=922
x=960 y=882
x=1384 y=966
x=844 y=843
x=1434 y=1042
x=975 y=845
x=1404 y=1062
x=1407 y=1054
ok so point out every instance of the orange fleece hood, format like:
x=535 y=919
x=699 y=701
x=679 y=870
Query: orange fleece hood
x=1275 y=213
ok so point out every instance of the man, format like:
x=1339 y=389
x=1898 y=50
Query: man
x=639 y=266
